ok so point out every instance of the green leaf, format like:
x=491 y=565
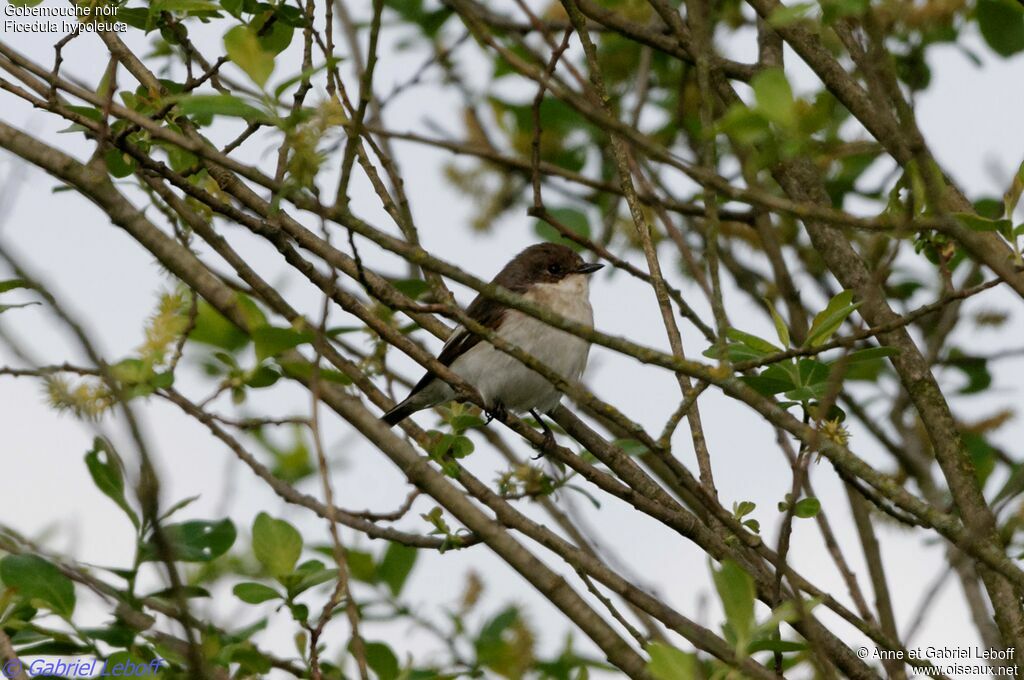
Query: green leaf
x=361 y=566
x=759 y=345
x=382 y=660
x=833 y=10
x=193 y=541
x=870 y=354
x=831 y=318
x=1002 y=25
x=304 y=371
x=183 y=591
x=207 y=105
x=983 y=456
x=37 y=579
x=214 y=329
x=254 y=593
x=12 y=284
x=573 y=220
x=774 y=96
x=772 y=380
x=781 y=329
x=277 y=39
x=250 y=661
x=411 y=288
x=276 y=543
x=1013 y=194
x=183 y=503
x=394 y=569
x=285 y=84
x=669 y=663
x=4 y=308
x=243 y=48
x=736 y=591
x=811 y=381
x=308 y=574
x=271 y=341
x=807 y=508
x=976 y=223
x=631 y=447
x=119 y=164
x=975 y=369
x=106 y=469
x=784 y=15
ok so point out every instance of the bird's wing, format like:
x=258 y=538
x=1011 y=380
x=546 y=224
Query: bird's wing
x=482 y=310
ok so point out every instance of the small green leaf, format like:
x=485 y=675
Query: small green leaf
x=828 y=321
x=193 y=541
x=977 y=223
x=975 y=369
x=214 y=329
x=870 y=354
x=1002 y=25
x=207 y=105
x=807 y=508
x=277 y=39
x=4 y=308
x=12 y=284
x=669 y=663
x=183 y=591
x=631 y=447
x=254 y=593
x=361 y=566
x=276 y=543
x=755 y=343
x=783 y=15
x=243 y=48
x=37 y=579
x=573 y=220
x=812 y=381
x=119 y=164
x=411 y=288
x=394 y=569
x=781 y=329
x=271 y=341
x=774 y=96
x=382 y=660
x=106 y=469
x=736 y=591
x=1013 y=194
x=308 y=574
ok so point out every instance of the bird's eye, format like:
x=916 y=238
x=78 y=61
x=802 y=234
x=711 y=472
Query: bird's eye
x=554 y=269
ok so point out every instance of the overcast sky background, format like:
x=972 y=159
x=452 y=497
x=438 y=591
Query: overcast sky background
x=970 y=115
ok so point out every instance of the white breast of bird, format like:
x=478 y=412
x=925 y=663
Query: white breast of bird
x=501 y=378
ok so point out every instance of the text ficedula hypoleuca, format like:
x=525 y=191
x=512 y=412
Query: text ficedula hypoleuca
x=547 y=274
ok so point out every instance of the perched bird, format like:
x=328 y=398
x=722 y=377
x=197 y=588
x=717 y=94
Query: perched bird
x=549 y=275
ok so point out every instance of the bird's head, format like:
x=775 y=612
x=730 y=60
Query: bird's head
x=546 y=263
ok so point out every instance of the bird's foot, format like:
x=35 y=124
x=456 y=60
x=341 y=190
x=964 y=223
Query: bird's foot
x=549 y=436
x=496 y=412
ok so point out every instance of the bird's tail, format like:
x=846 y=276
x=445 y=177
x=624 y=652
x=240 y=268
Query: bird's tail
x=400 y=412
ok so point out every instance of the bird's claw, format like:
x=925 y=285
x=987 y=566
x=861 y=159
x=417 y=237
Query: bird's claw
x=497 y=411
x=549 y=442
x=549 y=436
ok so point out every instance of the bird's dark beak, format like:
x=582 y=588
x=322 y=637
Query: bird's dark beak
x=589 y=268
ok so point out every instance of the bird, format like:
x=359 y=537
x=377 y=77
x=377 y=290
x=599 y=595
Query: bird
x=551 y=275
